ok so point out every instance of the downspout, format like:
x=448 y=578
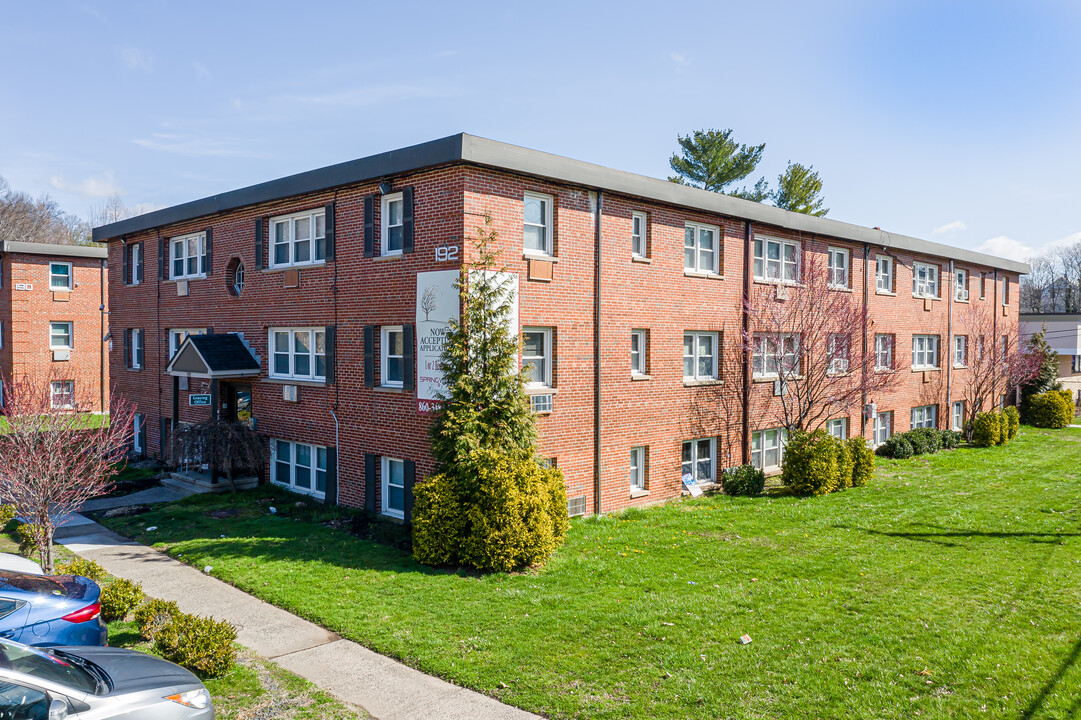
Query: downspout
x=863 y=339
x=949 y=346
x=101 y=344
x=994 y=340
x=745 y=319
x=597 y=354
x=337 y=446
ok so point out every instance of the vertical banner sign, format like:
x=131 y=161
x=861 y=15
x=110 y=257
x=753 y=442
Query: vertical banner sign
x=437 y=305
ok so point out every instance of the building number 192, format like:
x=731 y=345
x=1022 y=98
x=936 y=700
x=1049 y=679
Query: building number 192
x=446 y=252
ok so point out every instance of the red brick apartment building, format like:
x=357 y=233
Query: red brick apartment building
x=53 y=322
x=307 y=301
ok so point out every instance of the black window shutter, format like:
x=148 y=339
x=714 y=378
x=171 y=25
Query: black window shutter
x=328 y=228
x=163 y=439
x=331 y=495
x=330 y=350
x=139 y=265
x=163 y=263
x=410 y=479
x=369 y=481
x=407 y=219
x=259 y=244
x=409 y=358
x=127 y=262
x=369 y=226
x=141 y=350
x=209 y=260
x=142 y=434
x=127 y=349
x=369 y=355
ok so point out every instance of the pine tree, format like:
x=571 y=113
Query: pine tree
x=799 y=189
x=712 y=160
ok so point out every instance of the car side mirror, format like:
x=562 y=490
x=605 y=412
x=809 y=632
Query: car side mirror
x=58 y=710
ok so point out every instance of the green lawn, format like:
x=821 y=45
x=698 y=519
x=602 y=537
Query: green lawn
x=949 y=588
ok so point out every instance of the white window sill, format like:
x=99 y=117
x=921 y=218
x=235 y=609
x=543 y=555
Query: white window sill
x=527 y=255
x=692 y=382
x=306 y=382
x=637 y=377
x=925 y=369
x=183 y=278
x=540 y=390
x=299 y=490
x=885 y=292
x=926 y=297
x=60 y=289
x=393 y=514
x=389 y=256
x=641 y=259
x=961 y=300
x=702 y=274
x=396 y=389
x=960 y=367
x=293 y=266
x=840 y=288
x=639 y=493
x=774 y=378
x=839 y=374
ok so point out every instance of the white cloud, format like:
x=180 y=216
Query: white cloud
x=95 y=186
x=949 y=228
x=1071 y=239
x=367 y=96
x=137 y=59
x=199 y=147
x=1007 y=247
x=680 y=59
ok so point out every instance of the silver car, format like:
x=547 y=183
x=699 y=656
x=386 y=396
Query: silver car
x=96 y=683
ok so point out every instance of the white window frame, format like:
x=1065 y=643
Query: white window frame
x=137 y=420
x=692 y=233
x=839 y=358
x=638 y=470
x=547 y=356
x=186 y=256
x=70 y=277
x=70 y=332
x=960 y=351
x=922 y=346
x=1075 y=364
x=135 y=264
x=838 y=428
x=317 y=453
x=290 y=241
x=384 y=482
x=766 y=441
x=771 y=270
x=884 y=275
x=136 y=346
x=960 y=285
x=697 y=356
x=546 y=225
x=291 y=351
x=238 y=279
x=924 y=280
x=639 y=246
x=62 y=388
x=385 y=226
x=884 y=343
x=694 y=446
x=839 y=272
x=776 y=355
x=1005 y=291
x=957 y=414
x=385 y=356
x=639 y=360
x=177 y=336
x=882 y=428
x=924 y=416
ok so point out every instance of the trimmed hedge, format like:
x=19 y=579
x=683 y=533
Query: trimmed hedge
x=810 y=462
x=985 y=429
x=919 y=441
x=153 y=615
x=1052 y=409
x=200 y=644
x=120 y=598
x=743 y=480
x=863 y=461
x=82 y=566
x=1013 y=422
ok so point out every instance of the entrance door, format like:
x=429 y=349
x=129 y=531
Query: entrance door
x=236 y=403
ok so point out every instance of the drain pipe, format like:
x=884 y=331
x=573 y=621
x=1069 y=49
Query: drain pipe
x=863 y=348
x=748 y=259
x=337 y=453
x=597 y=354
x=949 y=347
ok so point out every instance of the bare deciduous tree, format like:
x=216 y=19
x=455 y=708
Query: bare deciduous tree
x=25 y=219
x=227 y=446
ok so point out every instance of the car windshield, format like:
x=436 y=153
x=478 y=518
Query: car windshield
x=64 y=585
x=44 y=666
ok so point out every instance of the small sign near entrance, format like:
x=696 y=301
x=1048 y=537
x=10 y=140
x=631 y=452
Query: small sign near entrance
x=199 y=399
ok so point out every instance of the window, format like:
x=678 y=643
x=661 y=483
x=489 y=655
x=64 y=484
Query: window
x=135 y=263
x=776 y=354
x=392 y=356
x=960 y=350
x=701 y=250
x=237 y=284
x=838 y=428
x=1075 y=364
x=1005 y=346
x=958 y=413
x=638 y=468
x=924 y=280
x=638 y=234
x=776 y=260
x=1005 y=291
x=540 y=404
x=177 y=338
x=983 y=286
x=298 y=354
x=60 y=335
x=838 y=267
x=837 y=349
x=62 y=394
x=393 y=224
x=298 y=239
x=924 y=416
x=638 y=352
x=537 y=224
x=135 y=357
x=300 y=467
x=393 y=480
x=884 y=274
x=767 y=448
x=883 y=352
x=137 y=421
x=960 y=285
x=698 y=460
x=189 y=256
x=537 y=357
x=883 y=427
x=924 y=351
x=59 y=276
x=699 y=356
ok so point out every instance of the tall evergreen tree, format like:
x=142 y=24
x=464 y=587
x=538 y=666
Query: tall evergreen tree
x=799 y=189
x=712 y=160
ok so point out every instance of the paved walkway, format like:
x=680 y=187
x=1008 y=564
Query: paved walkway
x=385 y=688
x=156 y=494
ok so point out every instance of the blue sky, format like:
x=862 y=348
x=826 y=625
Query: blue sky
x=953 y=121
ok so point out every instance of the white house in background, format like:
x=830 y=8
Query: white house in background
x=1064 y=337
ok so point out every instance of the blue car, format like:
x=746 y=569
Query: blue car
x=50 y=609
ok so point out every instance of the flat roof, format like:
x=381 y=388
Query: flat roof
x=32 y=248
x=1052 y=317
x=465 y=148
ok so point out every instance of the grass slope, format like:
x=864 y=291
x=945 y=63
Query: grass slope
x=949 y=588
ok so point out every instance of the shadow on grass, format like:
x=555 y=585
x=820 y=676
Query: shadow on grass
x=1037 y=702
x=938 y=535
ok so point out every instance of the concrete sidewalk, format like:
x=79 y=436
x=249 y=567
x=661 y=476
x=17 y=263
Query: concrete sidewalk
x=385 y=688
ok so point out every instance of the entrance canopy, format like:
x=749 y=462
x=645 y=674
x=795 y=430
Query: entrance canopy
x=214 y=356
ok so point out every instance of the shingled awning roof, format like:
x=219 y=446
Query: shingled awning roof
x=214 y=356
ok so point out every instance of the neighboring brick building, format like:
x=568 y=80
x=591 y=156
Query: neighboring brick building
x=53 y=322
x=338 y=277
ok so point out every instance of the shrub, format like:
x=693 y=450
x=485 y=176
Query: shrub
x=153 y=615
x=7 y=514
x=28 y=540
x=120 y=598
x=951 y=439
x=743 y=480
x=1003 y=428
x=1013 y=422
x=810 y=463
x=201 y=644
x=1051 y=409
x=925 y=440
x=497 y=512
x=845 y=464
x=897 y=446
x=863 y=461
x=84 y=567
x=985 y=429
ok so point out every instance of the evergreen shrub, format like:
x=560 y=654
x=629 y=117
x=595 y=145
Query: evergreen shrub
x=81 y=566
x=153 y=615
x=200 y=644
x=863 y=461
x=1051 y=409
x=120 y=598
x=743 y=480
x=985 y=429
x=810 y=462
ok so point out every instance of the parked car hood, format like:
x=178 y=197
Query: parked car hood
x=132 y=671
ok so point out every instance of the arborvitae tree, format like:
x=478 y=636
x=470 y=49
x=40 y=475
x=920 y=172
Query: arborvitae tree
x=799 y=189
x=712 y=160
x=1047 y=376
